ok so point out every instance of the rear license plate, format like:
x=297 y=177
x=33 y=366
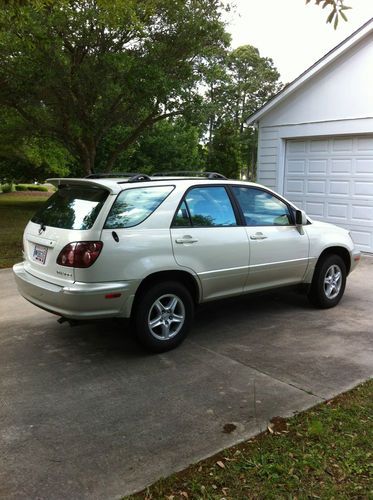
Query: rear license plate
x=40 y=253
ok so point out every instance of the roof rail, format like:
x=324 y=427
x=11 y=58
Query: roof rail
x=132 y=177
x=139 y=178
x=191 y=173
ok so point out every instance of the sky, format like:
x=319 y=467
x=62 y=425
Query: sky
x=293 y=34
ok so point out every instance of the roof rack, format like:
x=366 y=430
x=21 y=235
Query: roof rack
x=132 y=177
x=139 y=177
x=191 y=173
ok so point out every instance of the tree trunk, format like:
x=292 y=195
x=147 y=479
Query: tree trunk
x=87 y=155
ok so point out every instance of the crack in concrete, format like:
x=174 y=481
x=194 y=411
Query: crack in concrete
x=238 y=361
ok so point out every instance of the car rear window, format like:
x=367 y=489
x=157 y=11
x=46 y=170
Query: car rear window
x=133 y=206
x=72 y=207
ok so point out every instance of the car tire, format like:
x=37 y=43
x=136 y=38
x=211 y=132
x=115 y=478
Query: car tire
x=328 y=283
x=163 y=316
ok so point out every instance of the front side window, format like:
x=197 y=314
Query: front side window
x=72 y=207
x=206 y=207
x=133 y=206
x=261 y=208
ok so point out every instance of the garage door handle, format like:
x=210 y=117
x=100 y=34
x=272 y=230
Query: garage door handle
x=258 y=236
x=186 y=239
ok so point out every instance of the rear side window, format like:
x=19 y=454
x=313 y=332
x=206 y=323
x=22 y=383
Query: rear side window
x=205 y=207
x=133 y=206
x=72 y=207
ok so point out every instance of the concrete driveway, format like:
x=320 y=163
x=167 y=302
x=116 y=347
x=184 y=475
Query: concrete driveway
x=86 y=414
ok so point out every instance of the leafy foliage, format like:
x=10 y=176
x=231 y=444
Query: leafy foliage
x=76 y=71
x=338 y=8
x=248 y=82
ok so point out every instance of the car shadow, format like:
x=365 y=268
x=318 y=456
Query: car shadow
x=115 y=339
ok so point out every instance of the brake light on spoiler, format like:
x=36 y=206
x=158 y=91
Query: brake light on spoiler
x=80 y=254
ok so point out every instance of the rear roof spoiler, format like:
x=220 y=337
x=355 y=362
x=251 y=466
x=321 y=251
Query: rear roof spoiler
x=58 y=182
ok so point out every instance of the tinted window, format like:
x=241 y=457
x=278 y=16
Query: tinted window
x=261 y=208
x=133 y=206
x=71 y=207
x=209 y=207
x=182 y=217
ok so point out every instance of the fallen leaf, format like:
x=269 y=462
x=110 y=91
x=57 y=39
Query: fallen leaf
x=270 y=429
x=220 y=464
x=228 y=428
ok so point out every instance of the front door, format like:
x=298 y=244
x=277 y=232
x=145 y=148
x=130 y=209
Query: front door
x=278 y=252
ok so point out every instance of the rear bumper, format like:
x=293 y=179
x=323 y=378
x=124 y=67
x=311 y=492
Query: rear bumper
x=77 y=300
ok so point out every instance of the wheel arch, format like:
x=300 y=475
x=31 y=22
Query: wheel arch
x=187 y=279
x=336 y=250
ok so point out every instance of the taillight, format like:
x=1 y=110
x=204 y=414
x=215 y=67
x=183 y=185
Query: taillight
x=80 y=253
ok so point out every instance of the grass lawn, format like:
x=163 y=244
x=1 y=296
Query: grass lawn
x=326 y=452
x=16 y=209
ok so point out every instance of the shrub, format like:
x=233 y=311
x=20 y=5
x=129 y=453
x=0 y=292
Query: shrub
x=7 y=188
x=21 y=187
x=35 y=187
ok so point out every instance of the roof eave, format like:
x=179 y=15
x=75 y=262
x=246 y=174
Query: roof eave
x=333 y=54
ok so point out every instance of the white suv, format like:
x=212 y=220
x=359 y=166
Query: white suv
x=152 y=248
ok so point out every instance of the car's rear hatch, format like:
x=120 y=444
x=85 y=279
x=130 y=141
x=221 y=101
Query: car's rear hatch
x=72 y=214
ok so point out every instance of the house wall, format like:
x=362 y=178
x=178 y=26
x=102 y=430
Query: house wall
x=336 y=101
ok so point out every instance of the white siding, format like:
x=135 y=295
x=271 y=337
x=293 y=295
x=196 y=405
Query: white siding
x=342 y=90
x=268 y=157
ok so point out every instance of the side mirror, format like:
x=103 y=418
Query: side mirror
x=300 y=218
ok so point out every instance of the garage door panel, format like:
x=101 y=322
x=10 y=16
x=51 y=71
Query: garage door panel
x=332 y=180
x=340 y=166
x=316 y=187
x=365 y=144
x=317 y=166
x=317 y=146
x=315 y=209
x=337 y=211
x=362 y=213
x=297 y=166
x=364 y=166
x=295 y=186
x=363 y=189
x=339 y=188
x=297 y=146
x=345 y=145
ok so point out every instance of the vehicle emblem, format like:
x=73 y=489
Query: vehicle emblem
x=42 y=228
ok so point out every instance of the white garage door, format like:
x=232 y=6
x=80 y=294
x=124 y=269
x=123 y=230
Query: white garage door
x=332 y=180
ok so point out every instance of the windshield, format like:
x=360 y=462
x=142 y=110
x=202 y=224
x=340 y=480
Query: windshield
x=72 y=207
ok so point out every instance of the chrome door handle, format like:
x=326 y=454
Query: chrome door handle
x=186 y=239
x=258 y=236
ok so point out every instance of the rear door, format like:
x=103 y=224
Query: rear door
x=67 y=216
x=207 y=239
x=278 y=252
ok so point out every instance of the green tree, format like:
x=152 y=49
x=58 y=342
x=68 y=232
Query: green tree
x=169 y=145
x=75 y=71
x=225 y=155
x=249 y=81
x=24 y=156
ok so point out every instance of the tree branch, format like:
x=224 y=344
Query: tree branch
x=149 y=120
